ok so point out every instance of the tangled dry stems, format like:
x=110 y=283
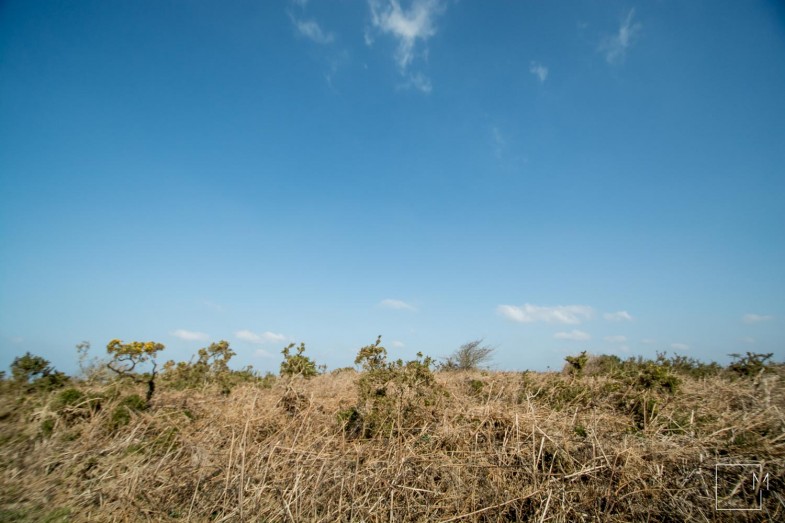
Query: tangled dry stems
x=501 y=447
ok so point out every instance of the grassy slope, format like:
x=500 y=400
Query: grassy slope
x=494 y=447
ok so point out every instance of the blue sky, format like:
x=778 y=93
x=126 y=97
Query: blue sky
x=549 y=176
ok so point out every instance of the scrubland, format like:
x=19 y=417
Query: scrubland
x=604 y=440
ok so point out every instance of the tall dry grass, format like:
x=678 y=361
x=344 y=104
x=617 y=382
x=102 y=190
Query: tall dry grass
x=497 y=447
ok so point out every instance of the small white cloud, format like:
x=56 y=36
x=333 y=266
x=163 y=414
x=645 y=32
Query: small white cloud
x=749 y=340
x=756 y=318
x=418 y=81
x=264 y=337
x=615 y=47
x=624 y=348
x=261 y=353
x=616 y=339
x=528 y=313
x=574 y=335
x=617 y=316
x=311 y=30
x=396 y=304
x=648 y=341
x=680 y=346
x=398 y=344
x=407 y=26
x=538 y=70
x=189 y=335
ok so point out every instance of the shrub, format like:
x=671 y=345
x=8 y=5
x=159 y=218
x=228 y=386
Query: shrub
x=395 y=396
x=469 y=356
x=72 y=404
x=749 y=366
x=576 y=364
x=297 y=364
x=126 y=356
x=121 y=414
x=34 y=372
x=603 y=365
x=211 y=367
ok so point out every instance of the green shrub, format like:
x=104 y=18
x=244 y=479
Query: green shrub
x=297 y=364
x=394 y=397
x=576 y=364
x=749 y=366
x=34 y=373
x=476 y=387
x=121 y=414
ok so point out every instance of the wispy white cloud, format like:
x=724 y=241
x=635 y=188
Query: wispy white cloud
x=648 y=341
x=528 y=313
x=616 y=339
x=574 y=335
x=680 y=346
x=261 y=353
x=756 y=318
x=615 y=47
x=617 y=316
x=749 y=340
x=409 y=27
x=406 y=25
x=538 y=70
x=16 y=340
x=418 y=81
x=396 y=304
x=312 y=30
x=189 y=335
x=397 y=344
x=264 y=337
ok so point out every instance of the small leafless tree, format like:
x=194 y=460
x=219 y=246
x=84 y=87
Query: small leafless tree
x=469 y=356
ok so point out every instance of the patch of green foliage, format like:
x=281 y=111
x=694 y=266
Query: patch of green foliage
x=750 y=366
x=576 y=364
x=33 y=373
x=394 y=397
x=298 y=364
x=122 y=413
x=211 y=368
x=72 y=404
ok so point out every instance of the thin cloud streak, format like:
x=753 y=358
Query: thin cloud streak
x=615 y=47
x=574 y=335
x=756 y=318
x=267 y=336
x=189 y=335
x=528 y=313
x=396 y=305
x=617 y=316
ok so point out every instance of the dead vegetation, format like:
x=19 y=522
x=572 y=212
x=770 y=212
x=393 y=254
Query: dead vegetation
x=395 y=443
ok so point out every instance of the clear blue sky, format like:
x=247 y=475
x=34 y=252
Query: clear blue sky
x=549 y=176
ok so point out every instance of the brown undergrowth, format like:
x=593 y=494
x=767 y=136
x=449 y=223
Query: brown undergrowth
x=487 y=446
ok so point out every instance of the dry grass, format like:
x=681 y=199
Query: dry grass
x=502 y=447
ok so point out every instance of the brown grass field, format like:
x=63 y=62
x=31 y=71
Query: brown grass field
x=484 y=446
